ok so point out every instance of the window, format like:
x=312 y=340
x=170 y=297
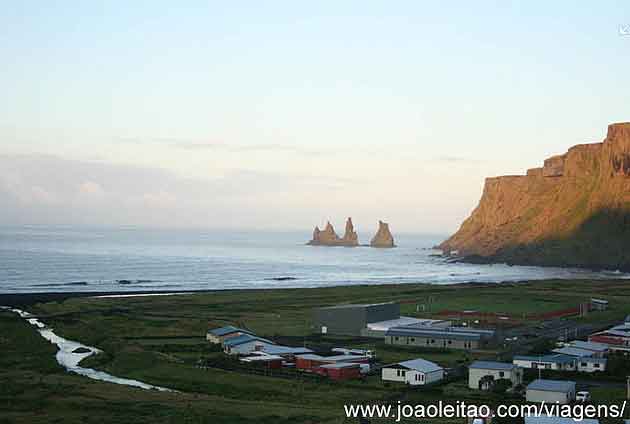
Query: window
x=596 y=365
x=432 y=341
x=501 y=374
x=412 y=340
x=449 y=342
x=583 y=364
x=396 y=338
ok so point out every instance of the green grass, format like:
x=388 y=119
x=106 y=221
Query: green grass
x=159 y=340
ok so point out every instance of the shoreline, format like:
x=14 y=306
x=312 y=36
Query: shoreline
x=28 y=299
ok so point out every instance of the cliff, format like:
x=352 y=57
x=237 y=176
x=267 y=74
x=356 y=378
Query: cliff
x=383 y=237
x=574 y=211
x=328 y=236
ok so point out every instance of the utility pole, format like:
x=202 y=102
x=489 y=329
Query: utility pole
x=628 y=387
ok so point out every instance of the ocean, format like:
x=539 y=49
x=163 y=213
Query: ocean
x=68 y=259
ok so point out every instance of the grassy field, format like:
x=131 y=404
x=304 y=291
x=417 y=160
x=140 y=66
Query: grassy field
x=160 y=339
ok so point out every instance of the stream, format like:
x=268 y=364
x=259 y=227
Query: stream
x=68 y=357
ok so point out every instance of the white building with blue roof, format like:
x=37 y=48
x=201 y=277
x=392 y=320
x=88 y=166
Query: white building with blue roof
x=556 y=361
x=483 y=374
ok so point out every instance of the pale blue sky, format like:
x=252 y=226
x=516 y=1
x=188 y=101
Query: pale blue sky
x=289 y=113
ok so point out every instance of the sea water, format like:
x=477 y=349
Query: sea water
x=61 y=259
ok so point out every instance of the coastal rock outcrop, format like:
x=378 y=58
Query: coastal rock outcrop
x=383 y=237
x=328 y=236
x=574 y=211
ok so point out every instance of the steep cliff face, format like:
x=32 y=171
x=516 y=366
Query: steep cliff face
x=574 y=211
x=383 y=237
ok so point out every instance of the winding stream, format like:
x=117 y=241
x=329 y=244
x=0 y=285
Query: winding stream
x=68 y=358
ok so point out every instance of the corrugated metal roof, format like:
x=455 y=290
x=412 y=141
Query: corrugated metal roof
x=573 y=351
x=552 y=385
x=279 y=350
x=228 y=329
x=557 y=358
x=595 y=347
x=492 y=365
x=420 y=365
x=245 y=338
x=399 y=322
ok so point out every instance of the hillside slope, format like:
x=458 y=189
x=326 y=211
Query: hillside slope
x=574 y=211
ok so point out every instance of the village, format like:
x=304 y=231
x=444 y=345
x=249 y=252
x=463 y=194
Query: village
x=553 y=360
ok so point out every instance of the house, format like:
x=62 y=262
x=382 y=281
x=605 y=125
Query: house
x=448 y=338
x=310 y=362
x=218 y=335
x=599 y=350
x=245 y=344
x=555 y=361
x=482 y=374
x=414 y=372
x=551 y=391
x=340 y=371
x=591 y=364
x=352 y=319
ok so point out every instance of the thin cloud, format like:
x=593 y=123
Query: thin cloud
x=184 y=144
x=457 y=159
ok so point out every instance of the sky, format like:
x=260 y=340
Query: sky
x=283 y=114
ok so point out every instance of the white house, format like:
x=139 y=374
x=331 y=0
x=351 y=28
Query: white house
x=481 y=374
x=591 y=364
x=551 y=391
x=557 y=361
x=415 y=372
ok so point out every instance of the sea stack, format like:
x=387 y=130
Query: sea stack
x=383 y=237
x=328 y=236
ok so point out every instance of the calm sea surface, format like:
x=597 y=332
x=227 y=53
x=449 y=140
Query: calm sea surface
x=44 y=259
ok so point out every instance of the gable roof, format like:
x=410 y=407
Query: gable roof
x=595 y=347
x=228 y=329
x=421 y=365
x=552 y=385
x=245 y=338
x=492 y=365
x=573 y=351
